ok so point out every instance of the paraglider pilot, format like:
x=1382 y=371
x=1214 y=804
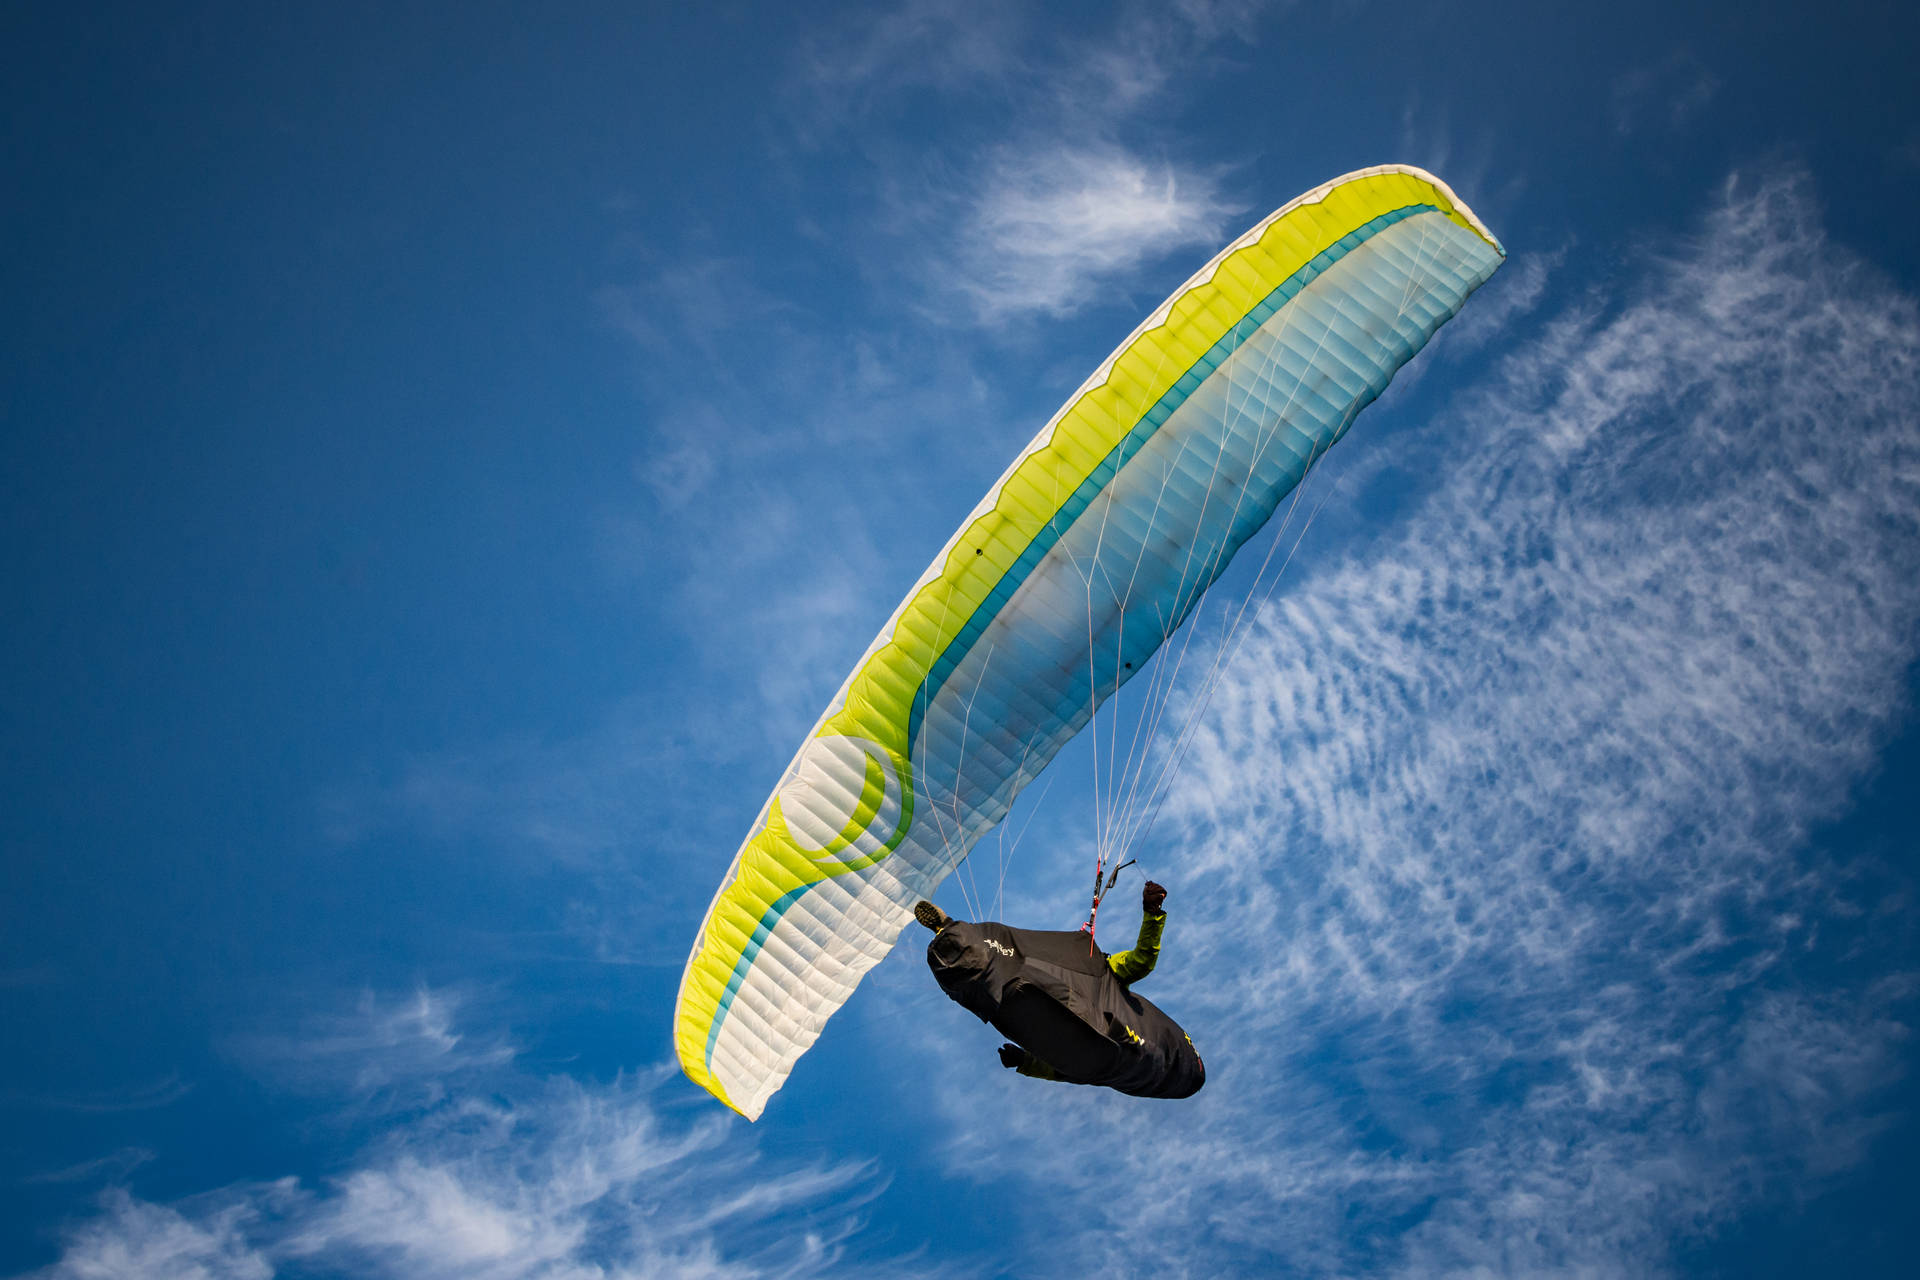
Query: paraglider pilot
x=1066 y=1008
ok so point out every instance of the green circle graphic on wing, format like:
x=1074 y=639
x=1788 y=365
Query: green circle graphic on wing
x=844 y=803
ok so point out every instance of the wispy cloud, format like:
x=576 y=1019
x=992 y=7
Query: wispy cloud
x=111 y=1167
x=133 y=1239
x=850 y=69
x=384 y=1054
x=148 y=1095
x=1051 y=225
x=563 y=802
x=554 y=1180
x=995 y=49
x=1496 y=919
x=1665 y=94
x=1078 y=182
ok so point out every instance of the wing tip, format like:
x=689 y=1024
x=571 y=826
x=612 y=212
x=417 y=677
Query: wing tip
x=1439 y=184
x=700 y=1075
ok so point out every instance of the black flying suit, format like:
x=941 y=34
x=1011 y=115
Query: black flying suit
x=1055 y=996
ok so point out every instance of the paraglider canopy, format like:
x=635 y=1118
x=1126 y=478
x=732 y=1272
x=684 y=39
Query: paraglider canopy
x=1087 y=555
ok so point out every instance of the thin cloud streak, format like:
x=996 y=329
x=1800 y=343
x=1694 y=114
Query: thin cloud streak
x=154 y=1094
x=113 y=1167
x=384 y=1055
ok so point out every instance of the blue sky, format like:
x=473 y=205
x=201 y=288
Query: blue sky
x=451 y=454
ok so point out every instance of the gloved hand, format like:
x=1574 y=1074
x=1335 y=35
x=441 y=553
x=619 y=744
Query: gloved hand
x=1153 y=898
x=1012 y=1055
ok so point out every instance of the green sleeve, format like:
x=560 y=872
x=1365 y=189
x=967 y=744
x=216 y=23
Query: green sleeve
x=1131 y=966
x=1039 y=1070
